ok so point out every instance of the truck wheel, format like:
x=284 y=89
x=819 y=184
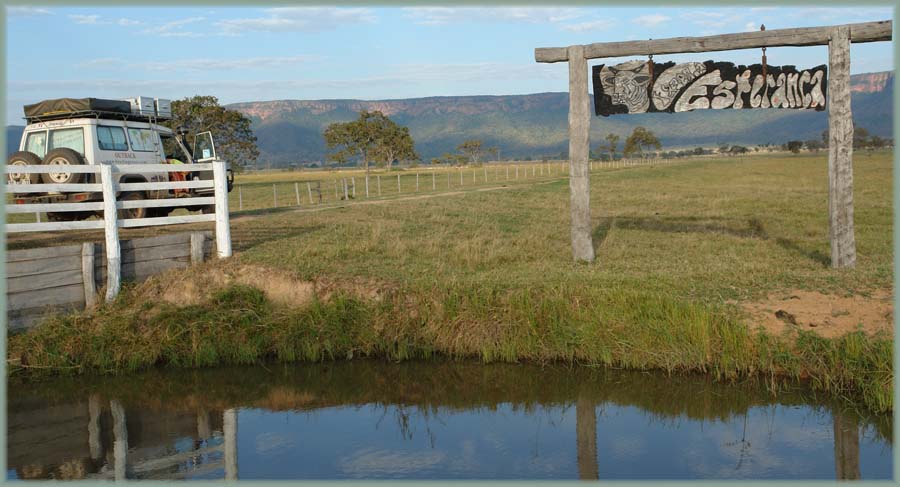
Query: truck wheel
x=69 y=216
x=22 y=158
x=62 y=157
x=208 y=209
x=126 y=214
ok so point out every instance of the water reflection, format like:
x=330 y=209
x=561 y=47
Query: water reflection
x=434 y=420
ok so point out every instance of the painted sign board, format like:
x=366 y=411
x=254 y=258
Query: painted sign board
x=630 y=88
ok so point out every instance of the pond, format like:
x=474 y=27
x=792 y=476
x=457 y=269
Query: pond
x=434 y=420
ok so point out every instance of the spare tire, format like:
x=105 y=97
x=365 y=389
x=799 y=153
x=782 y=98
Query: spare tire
x=23 y=158
x=62 y=157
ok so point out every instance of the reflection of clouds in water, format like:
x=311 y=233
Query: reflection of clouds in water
x=267 y=442
x=371 y=462
x=761 y=452
x=627 y=446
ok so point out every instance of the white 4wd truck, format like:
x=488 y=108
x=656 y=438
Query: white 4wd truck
x=95 y=131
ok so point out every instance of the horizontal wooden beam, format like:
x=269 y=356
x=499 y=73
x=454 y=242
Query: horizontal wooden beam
x=804 y=36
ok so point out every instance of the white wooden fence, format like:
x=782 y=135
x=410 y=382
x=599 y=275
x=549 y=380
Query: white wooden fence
x=106 y=182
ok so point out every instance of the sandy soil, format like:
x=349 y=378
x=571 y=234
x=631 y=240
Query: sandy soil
x=828 y=315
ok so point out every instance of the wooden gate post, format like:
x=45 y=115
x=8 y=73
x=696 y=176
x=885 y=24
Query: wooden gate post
x=840 y=151
x=223 y=227
x=111 y=226
x=579 y=147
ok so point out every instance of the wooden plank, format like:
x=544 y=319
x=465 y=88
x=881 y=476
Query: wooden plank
x=57 y=207
x=123 y=168
x=24 y=319
x=171 y=239
x=41 y=169
x=223 y=228
x=139 y=271
x=43 y=281
x=72 y=293
x=168 y=220
x=143 y=254
x=840 y=151
x=46 y=188
x=162 y=202
x=53 y=226
x=579 y=148
x=164 y=185
x=24 y=268
x=804 y=36
x=88 y=251
x=197 y=242
x=42 y=253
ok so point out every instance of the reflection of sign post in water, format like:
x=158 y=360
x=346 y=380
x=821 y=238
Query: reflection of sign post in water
x=840 y=122
x=846 y=446
x=229 y=431
x=586 y=439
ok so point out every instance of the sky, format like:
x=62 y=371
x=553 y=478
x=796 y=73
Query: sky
x=370 y=53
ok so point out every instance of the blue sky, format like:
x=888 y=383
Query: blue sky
x=252 y=54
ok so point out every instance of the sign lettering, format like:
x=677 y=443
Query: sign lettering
x=683 y=87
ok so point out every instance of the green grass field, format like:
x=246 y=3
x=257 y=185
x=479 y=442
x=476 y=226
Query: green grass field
x=490 y=274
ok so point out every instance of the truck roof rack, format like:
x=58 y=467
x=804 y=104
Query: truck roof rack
x=98 y=114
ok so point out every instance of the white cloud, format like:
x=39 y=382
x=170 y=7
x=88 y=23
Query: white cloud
x=202 y=64
x=87 y=19
x=751 y=27
x=27 y=11
x=591 y=25
x=651 y=20
x=128 y=22
x=174 y=28
x=531 y=15
x=298 y=19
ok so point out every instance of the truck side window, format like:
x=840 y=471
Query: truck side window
x=68 y=138
x=36 y=143
x=142 y=140
x=111 y=138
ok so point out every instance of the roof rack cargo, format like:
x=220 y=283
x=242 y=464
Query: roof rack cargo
x=64 y=108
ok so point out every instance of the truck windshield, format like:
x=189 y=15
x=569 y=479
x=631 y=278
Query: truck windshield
x=203 y=147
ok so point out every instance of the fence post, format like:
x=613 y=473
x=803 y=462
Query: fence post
x=87 y=274
x=111 y=227
x=346 y=191
x=223 y=228
x=309 y=190
x=433 y=180
x=240 y=198
x=507 y=173
x=398 y=183
x=485 y=174
x=448 y=179
x=417 y=182
x=353 y=181
x=197 y=240
x=297 y=193
x=37 y=217
x=336 y=196
x=366 y=177
x=274 y=196
x=460 y=177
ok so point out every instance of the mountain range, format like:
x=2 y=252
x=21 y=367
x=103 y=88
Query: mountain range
x=536 y=125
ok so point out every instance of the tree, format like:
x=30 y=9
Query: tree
x=814 y=145
x=472 y=149
x=372 y=136
x=611 y=145
x=231 y=130
x=640 y=139
x=738 y=149
x=724 y=149
x=794 y=146
x=395 y=144
x=860 y=138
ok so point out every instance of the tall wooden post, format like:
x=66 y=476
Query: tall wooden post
x=840 y=151
x=579 y=147
x=229 y=433
x=846 y=446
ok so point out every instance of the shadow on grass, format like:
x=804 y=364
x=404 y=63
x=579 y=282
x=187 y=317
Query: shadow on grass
x=714 y=225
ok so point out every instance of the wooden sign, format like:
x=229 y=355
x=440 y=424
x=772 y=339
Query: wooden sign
x=632 y=87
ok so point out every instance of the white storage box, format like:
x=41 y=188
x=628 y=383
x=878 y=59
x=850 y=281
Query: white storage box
x=163 y=108
x=142 y=105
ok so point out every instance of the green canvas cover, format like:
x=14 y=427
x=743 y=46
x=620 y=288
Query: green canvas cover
x=49 y=108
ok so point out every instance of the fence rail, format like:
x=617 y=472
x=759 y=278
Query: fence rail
x=107 y=177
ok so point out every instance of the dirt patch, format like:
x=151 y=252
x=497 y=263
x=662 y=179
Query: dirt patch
x=194 y=285
x=827 y=315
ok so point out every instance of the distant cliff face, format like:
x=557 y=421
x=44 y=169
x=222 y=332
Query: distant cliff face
x=870 y=82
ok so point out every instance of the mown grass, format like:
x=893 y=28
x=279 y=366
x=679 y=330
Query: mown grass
x=490 y=275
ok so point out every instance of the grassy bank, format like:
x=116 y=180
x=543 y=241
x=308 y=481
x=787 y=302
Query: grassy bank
x=490 y=275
